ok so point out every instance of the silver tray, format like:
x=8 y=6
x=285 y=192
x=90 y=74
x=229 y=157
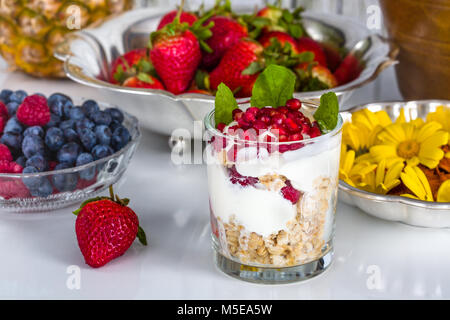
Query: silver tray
x=88 y=53
x=395 y=208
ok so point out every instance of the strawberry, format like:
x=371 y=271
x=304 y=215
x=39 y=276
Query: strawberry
x=308 y=44
x=279 y=19
x=187 y=17
x=10 y=167
x=282 y=37
x=232 y=66
x=3 y=111
x=317 y=72
x=106 y=228
x=130 y=64
x=226 y=32
x=143 y=81
x=349 y=69
x=34 y=111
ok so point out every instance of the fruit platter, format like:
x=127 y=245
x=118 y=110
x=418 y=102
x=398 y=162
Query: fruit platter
x=395 y=161
x=127 y=56
x=56 y=151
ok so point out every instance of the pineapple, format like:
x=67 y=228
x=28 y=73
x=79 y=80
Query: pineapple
x=31 y=29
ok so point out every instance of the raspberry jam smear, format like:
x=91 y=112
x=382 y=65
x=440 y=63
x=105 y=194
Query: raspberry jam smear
x=271 y=125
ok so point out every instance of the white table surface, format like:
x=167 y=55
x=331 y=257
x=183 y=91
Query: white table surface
x=373 y=258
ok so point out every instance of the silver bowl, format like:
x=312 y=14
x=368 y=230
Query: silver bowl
x=395 y=208
x=88 y=54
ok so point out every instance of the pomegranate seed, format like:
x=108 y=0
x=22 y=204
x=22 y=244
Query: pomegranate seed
x=253 y=110
x=296 y=137
x=290 y=193
x=243 y=124
x=283 y=110
x=266 y=119
x=278 y=119
x=221 y=126
x=291 y=125
x=294 y=104
x=249 y=117
x=283 y=138
x=259 y=125
x=314 y=132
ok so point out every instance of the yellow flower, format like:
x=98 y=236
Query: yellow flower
x=351 y=172
x=407 y=142
x=443 y=194
x=361 y=133
x=381 y=181
x=442 y=116
x=416 y=181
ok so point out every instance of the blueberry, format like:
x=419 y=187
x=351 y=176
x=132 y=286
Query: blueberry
x=5 y=94
x=21 y=160
x=12 y=108
x=76 y=113
x=38 y=162
x=88 y=138
x=57 y=97
x=121 y=136
x=68 y=153
x=71 y=135
x=68 y=105
x=101 y=151
x=32 y=183
x=89 y=107
x=116 y=114
x=44 y=190
x=103 y=134
x=64 y=181
x=32 y=145
x=84 y=124
x=85 y=158
x=13 y=125
x=12 y=140
x=54 y=138
x=67 y=124
x=114 y=125
x=55 y=120
x=18 y=96
x=101 y=117
x=34 y=131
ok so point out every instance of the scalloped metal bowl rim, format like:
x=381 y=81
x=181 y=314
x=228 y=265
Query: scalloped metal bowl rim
x=391 y=198
x=134 y=140
x=76 y=75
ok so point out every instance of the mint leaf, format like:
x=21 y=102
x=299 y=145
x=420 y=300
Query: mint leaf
x=328 y=111
x=225 y=103
x=273 y=87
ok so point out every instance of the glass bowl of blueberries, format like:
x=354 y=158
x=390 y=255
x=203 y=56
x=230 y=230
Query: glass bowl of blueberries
x=55 y=152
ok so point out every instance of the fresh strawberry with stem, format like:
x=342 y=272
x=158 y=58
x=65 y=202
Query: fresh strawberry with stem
x=307 y=44
x=232 y=66
x=143 y=81
x=226 y=32
x=105 y=228
x=132 y=63
x=187 y=17
x=176 y=51
x=282 y=37
x=279 y=19
x=312 y=77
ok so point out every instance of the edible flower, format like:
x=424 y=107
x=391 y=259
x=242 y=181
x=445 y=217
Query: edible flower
x=416 y=181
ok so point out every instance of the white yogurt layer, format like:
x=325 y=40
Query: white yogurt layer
x=257 y=210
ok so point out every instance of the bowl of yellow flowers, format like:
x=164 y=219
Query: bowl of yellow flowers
x=395 y=161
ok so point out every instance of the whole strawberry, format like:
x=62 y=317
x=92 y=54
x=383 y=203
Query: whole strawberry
x=187 y=17
x=282 y=37
x=106 y=228
x=226 y=32
x=143 y=81
x=308 y=44
x=123 y=64
x=233 y=69
x=34 y=111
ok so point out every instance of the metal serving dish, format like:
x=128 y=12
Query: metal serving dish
x=87 y=55
x=396 y=208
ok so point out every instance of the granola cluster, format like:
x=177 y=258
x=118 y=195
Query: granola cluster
x=300 y=242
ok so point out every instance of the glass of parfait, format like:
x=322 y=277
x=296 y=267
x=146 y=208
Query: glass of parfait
x=273 y=182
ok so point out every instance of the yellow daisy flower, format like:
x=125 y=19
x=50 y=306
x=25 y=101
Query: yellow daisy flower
x=407 y=142
x=443 y=194
x=361 y=133
x=350 y=172
x=442 y=116
x=416 y=181
x=381 y=181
